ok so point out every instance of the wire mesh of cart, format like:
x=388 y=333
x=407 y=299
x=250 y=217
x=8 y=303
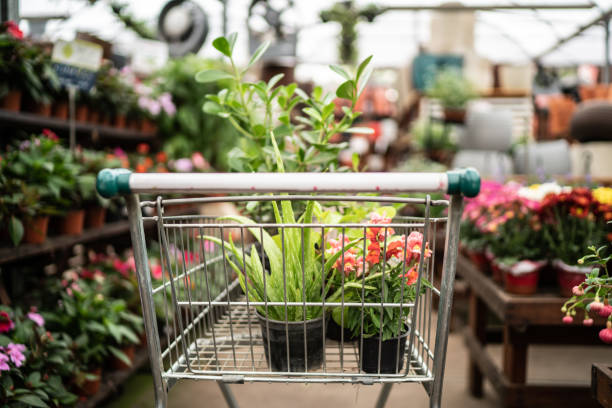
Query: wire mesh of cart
x=310 y=298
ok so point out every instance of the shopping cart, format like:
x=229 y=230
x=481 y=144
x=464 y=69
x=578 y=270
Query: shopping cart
x=212 y=328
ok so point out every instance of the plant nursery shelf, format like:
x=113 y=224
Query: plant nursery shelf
x=54 y=244
x=96 y=132
x=526 y=320
x=601 y=383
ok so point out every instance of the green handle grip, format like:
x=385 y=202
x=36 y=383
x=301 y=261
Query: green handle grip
x=463 y=181
x=113 y=182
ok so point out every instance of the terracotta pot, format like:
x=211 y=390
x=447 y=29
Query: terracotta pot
x=36 y=230
x=479 y=259
x=72 y=223
x=90 y=387
x=94 y=116
x=569 y=276
x=42 y=109
x=82 y=113
x=148 y=126
x=94 y=217
x=11 y=101
x=117 y=364
x=522 y=277
x=454 y=115
x=60 y=109
x=120 y=121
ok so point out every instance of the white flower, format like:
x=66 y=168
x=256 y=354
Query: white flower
x=537 y=192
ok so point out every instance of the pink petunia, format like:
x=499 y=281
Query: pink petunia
x=4 y=359
x=15 y=353
x=36 y=318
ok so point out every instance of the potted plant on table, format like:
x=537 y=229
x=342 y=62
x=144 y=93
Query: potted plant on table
x=571 y=220
x=15 y=72
x=386 y=271
x=454 y=92
x=35 y=364
x=42 y=88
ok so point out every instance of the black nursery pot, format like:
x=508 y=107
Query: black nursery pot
x=291 y=334
x=334 y=332
x=391 y=359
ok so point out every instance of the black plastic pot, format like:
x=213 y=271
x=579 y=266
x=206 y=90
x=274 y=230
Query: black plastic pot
x=391 y=359
x=290 y=335
x=334 y=332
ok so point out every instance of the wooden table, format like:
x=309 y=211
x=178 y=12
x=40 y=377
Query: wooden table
x=526 y=320
x=601 y=384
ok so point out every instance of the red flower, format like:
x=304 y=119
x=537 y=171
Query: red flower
x=13 y=30
x=161 y=157
x=50 y=134
x=395 y=249
x=6 y=324
x=373 y=256
x=411 y=276
x=142 y=148
x=606 y=334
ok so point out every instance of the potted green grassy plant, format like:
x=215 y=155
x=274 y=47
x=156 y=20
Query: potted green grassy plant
x=454 y=92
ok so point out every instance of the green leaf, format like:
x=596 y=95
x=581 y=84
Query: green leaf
x=232 y=40
x=31 y=400
x=355 y=161
x=364 y=82
x=212 y=75
x=345 y=90
x=360 y=130
x=362 y=66
x=223 y=46
x=257 y=54
x=120 y=355
x=274 y=80
x=15 y=230
x=340 y=71
x=212 y=108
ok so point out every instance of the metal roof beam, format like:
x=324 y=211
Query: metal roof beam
x=483 y=7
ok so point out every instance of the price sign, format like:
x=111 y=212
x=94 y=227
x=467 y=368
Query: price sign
x=76 y=63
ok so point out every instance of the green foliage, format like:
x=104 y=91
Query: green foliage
x=452 y=89
x=95 y=322
x=49 y=365
x=267 y=113
x=431 y=137
x=191 y=129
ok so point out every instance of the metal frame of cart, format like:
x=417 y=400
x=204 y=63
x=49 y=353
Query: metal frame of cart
x=210 y=329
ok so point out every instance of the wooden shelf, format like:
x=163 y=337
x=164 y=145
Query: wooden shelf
x=53 y=244
x=601 y=383
x=113 y=380
x=95 y=132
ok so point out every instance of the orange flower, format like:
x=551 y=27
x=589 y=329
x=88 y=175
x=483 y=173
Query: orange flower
x=411 y=276
x=161 y=157
x=395 y=249
x=142 y=148
x=148 y=162
x=140 y=168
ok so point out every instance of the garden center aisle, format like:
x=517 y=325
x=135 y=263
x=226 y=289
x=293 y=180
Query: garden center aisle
x=547 y=364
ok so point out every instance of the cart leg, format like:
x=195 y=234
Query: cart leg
x=384 y=395
x=478 y=323
x=146 y=298
x=228 y=395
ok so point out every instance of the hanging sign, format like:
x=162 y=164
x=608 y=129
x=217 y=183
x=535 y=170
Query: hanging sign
x=76 y=63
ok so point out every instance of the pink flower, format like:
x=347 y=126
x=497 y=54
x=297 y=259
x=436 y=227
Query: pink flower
x=183 y=165
x=568 y=319
x=36 y=318
x=587 y=322
x=166 y=103
x=606 y=334
x=578 y=291
x=199 y=162
x=596 y=306
x=6 y=324
x=4 y=359
x=15 y=353
x=605 y=311
x=156 y=271
x=50 y=134
x=119 y=152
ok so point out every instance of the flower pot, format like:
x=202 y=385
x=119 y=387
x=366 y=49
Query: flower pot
x=42 y=109
x=148 y=126
x=60 y=109
x=333 y=331
x=94 y=116
x=522 y=277
x=496 y=272
x=94 y=217
x=120 y=121
x=287 y=340
x=117 y=364
x=11 y=101
x=454 y=115
x=569 y=276
x=36 y=230
x=82 y=113
x=90 y=387
x=479 y=259
x=72 y=223
x=391 y=354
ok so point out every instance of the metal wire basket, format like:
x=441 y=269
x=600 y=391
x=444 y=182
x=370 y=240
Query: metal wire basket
x=214 y=329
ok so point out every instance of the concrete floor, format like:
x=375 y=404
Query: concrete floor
x=546 y=365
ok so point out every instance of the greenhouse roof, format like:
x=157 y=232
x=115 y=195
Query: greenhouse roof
x=508 y=34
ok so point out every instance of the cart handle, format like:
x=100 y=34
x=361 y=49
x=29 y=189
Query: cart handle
x=113 y=182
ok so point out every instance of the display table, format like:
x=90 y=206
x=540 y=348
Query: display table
x=526 y=320
x=601 y=383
